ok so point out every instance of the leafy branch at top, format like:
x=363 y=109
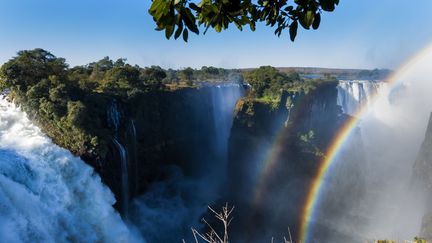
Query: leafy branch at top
x=179 y=17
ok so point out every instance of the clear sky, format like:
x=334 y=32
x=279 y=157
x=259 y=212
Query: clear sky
x=359 y=34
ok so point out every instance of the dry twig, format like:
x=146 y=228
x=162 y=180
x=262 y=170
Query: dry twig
x=213 y=236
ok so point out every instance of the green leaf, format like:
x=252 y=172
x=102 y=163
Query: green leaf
x=317 y=21
x=238 y=25
x=278 y=31
x=193 y=6
x=293 y=30
x=307 y=18
x=169 y=31
x=252 y=26
x=218 y=27
x=178 y=31
x=155 y=6
x=189 y=20
x=185 y=35
x=328 y=5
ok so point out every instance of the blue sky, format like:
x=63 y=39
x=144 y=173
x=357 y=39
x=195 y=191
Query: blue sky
x=359 y=34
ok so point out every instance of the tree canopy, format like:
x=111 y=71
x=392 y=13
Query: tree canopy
x=268 y=81
x=179 y=17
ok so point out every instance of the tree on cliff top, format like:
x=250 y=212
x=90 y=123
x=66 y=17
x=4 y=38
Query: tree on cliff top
x=268 y=81
x=178 y=17
x=30 y=67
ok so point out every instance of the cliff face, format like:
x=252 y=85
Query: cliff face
x=162 y=128
x=422 y=178
x=274 y=151
x=423 y=164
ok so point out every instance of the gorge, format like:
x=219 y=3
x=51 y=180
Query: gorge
x=161 y=155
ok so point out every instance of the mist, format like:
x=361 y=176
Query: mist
x=178 y=200
x=390 y=134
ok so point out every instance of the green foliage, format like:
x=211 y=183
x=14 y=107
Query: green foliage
x=178 y=17
x=268 y=81
x=374 y=74
x=68 y=103
x=308 y=137
x=49 y=92
x=50 y=110
x=76 y=113
x=272 y=102
x=419 y=240
x=30 y=67
x=121 y=78
x=186 y=75
x=307 y=142
x=38 y=90
x=154 y=76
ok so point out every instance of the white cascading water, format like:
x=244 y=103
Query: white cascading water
x=114 y=119
x=133 y=131
x=224 y=99
x=353 y=94
x=133 y=152
x=391 y=130
x=114 y=116
x=47 y=194
x=124 y=177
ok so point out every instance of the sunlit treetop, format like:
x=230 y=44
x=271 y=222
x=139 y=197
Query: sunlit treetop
x=178 y=17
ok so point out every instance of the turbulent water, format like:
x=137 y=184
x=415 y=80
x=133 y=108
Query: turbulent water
x=47 y=194
x=352 y=94
x=389 y=135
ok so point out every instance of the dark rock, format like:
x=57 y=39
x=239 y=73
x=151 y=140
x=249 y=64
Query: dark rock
x=274 y=152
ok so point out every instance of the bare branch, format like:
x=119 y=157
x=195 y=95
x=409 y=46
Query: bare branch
x=212 y=236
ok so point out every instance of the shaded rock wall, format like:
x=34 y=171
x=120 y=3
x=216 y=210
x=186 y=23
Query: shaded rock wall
x=274 y=151
x=422 y=179
x=162 y=128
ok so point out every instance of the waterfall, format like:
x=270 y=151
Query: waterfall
x=114 y=121
x=114 y=116
x=133 y=130
x=390 y=133
x=352 y=94
x=224 y=99
x=46 y=193
x=124 y=177
x=133 y=153
x=289 y=100
x=178 y=201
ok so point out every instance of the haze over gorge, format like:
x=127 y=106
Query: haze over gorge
x=110 y=152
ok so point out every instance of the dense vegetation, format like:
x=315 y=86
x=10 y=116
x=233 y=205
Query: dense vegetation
x=178 y=17
x=105 y=75
x=269 y=82
x=68 y=103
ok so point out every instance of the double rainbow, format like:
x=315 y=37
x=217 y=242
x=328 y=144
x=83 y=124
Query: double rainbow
x=317 y=184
